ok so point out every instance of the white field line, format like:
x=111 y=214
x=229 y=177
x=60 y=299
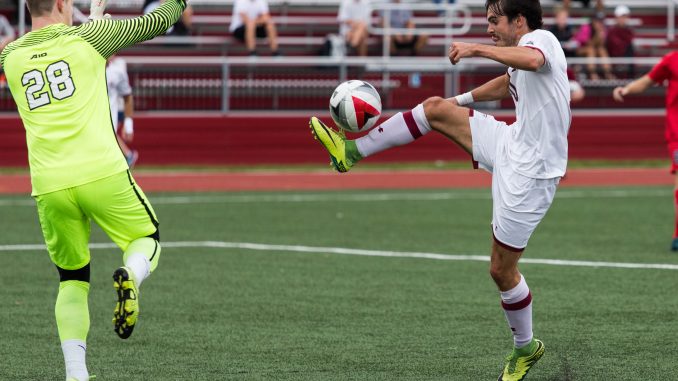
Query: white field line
x=363 y=252
x=351 y=196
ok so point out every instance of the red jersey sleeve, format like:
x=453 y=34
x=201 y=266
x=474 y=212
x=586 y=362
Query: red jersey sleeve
x=661 y=72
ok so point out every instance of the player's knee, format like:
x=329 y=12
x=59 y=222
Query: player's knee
x=81 y=274
x=432 y=105
x=437 y=109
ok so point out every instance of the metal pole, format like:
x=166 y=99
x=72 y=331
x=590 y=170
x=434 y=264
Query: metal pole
x=671 y=22
x=225 y=93
x=386 y=38
x=342 y=71
x=22 y=17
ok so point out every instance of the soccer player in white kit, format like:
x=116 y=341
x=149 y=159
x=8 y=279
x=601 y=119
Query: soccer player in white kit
x=526 y=159
x=119 y=87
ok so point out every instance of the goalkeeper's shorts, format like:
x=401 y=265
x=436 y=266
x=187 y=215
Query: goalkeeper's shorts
x=115 y=203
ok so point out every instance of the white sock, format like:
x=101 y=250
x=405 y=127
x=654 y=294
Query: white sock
x=517 y=304
x=140 y=266
x=74 y=358
x=400 y=129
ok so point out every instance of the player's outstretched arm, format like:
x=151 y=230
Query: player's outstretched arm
x=492 y=90
x=636 y=87
x=519 y=57
x=109 y=36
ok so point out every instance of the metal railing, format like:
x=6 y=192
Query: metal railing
x=223 y=84
x=451 y=16
x=280 y=78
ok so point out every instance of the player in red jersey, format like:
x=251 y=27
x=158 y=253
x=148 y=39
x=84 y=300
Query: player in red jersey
x=665 y=70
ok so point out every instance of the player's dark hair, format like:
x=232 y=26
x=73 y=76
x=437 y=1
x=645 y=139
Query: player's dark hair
x=530 y=9
x=40 y=7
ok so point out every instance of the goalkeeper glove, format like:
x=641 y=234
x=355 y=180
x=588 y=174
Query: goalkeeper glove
x=96 y=10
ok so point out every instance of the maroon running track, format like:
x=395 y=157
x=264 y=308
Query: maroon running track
x=400 y=179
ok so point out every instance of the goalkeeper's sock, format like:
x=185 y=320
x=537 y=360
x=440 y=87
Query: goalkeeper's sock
x=400 y=129
x=141 y=257
x=74 y=358
x=72 y=317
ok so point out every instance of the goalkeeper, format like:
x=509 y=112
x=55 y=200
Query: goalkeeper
x=56 y=74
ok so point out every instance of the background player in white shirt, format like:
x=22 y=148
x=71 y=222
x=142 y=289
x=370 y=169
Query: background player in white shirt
x=119 y=88
x=527 y=158
x=354 y=22
x=251 y=20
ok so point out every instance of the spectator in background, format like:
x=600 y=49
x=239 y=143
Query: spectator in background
x=410 y=42
x=665 y=71
x=354 y=19
x=591 y=38
x=619 y=41
x=181 y=27
x=564 y=32
x=7 y=33
x=119 y=88
x=585 y=3
x=577 y=92
x=251 y=20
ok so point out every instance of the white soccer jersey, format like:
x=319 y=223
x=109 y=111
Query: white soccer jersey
x=537 y=147
x=357 y=10
x=118 y=85
x=252 y=8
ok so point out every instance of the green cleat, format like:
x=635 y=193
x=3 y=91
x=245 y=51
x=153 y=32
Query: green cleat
x=334 y=142
x=126 y=310
x=674 y=244
x=518 y=364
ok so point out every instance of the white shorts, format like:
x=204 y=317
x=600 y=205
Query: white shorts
x=518 y=202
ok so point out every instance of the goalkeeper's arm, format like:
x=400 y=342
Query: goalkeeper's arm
x=109 y=36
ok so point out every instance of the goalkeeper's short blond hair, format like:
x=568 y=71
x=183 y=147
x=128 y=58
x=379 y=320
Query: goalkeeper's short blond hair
x=40 y=7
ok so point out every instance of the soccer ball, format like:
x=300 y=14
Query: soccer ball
x=355 y=106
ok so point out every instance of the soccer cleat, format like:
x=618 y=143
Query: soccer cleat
x=517 y=365
x=674 y=244
x=334 y=142
x=126 y=310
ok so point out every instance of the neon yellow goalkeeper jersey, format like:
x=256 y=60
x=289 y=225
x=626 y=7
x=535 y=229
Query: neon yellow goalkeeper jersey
x=57 y=76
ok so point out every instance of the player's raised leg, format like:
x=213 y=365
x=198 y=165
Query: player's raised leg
x=402 y=128
x=140 y=259
x=122 y=210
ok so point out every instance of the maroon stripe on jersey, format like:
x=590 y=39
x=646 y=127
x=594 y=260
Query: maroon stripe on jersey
x=507 y=247
x=474 y=162
x=539 y=50
x=518 y=305
x=411 y=124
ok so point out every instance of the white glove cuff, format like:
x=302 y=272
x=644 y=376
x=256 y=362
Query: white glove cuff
x=464 y=99
x=128 y=125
